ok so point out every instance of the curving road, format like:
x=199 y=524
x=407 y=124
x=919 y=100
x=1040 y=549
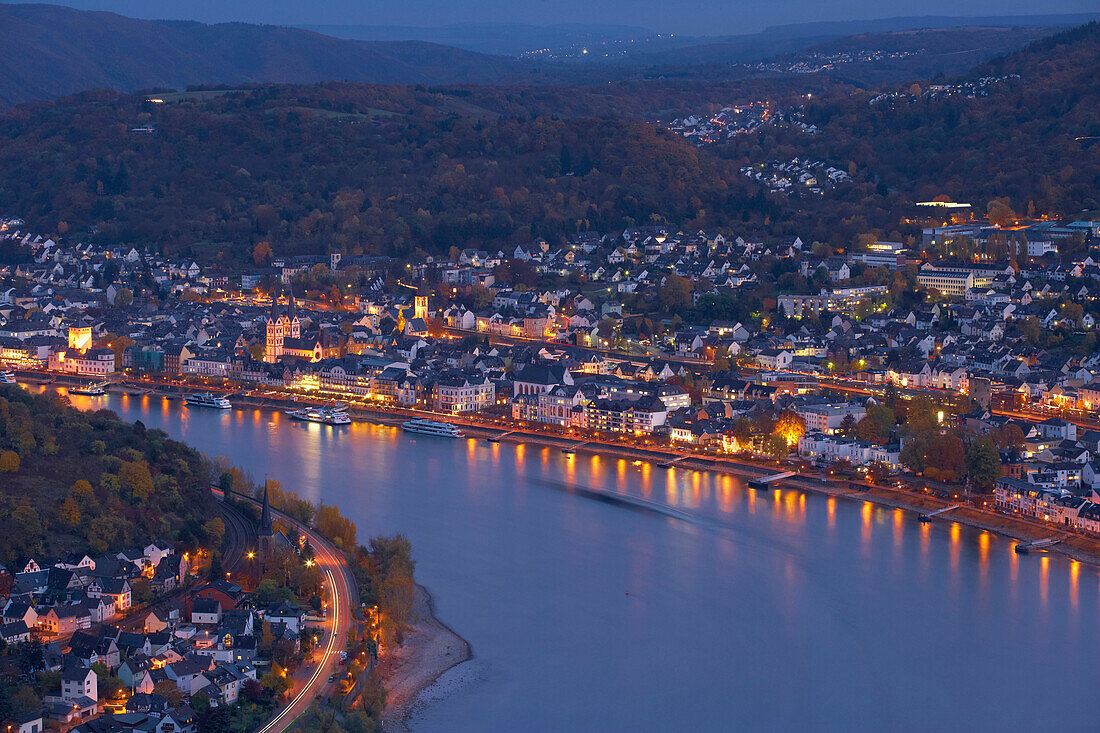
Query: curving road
x=342 y=595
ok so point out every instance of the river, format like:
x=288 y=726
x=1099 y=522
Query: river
x=691 y=603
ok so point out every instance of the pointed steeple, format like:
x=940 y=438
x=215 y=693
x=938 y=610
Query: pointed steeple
x=290 y=305
x=267 y=529
x=274 y=304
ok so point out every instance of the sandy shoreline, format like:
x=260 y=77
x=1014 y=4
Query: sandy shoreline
x=430 y=649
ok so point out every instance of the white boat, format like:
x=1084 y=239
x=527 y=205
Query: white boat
x=201 y=399
x=91 y=390
x=329 y=415
x=7 y=377
x=431 y=427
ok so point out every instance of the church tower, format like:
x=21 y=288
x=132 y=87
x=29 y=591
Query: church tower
x=267 y=527
x=273 y=338
x=293 y=325
x=420 y=306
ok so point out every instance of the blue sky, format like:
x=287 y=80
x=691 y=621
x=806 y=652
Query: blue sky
x=677 y=16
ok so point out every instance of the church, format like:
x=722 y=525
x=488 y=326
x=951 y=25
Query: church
x=280 y=327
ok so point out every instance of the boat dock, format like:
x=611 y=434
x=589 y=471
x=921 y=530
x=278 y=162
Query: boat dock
x=674 y=461
x=1026 y=547
x=765 y=482
x=573 y=448
x=945 y=510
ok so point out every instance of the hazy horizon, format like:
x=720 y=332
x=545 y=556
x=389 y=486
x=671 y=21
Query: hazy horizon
x=747 y=16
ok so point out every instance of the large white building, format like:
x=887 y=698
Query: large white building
x=826 y=418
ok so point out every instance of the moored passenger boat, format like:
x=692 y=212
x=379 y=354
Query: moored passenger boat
x=331 y=415
x=202 y=399
x=91 y=390
x=432 y=427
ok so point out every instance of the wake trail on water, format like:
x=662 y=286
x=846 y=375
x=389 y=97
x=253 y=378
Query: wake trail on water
x=632 y=503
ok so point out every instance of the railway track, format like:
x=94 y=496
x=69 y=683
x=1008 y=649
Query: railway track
x=240 y=536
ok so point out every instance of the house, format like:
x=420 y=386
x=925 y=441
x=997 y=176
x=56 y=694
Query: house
x=227 y=594
x=30 y=724
x=206 y=611
x=20 y=611
x=65 y=619
x=188 y=675
x=285 y=613
x=117 y=589
x=774 y=358
x=539 y=378
x=78 y=682
x=14 y=632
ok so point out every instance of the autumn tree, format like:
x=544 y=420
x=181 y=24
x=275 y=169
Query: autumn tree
x=261 y=253
x=9 y=461
x=790 y=426
x=170 y=691
x=135 y=478
x=999 y=212
x=675 y=293
x=215 y=531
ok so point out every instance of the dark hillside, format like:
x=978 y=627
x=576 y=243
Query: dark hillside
x=50 y=51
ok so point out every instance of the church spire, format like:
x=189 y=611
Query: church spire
x=267 y=529
x=290 y=305
x=274 y=303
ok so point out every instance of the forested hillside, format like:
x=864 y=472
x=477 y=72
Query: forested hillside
x=310 y=169
x=1034 y=139
x=88 y=482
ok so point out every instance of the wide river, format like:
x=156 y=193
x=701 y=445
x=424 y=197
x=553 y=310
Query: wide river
x=695 y=605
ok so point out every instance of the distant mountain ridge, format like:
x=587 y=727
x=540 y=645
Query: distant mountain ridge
x=50 y=51
x=510 y=39
x=781 y=39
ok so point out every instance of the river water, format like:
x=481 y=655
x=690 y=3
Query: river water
x=691 y=602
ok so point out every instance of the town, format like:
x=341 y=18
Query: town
x=690 y=341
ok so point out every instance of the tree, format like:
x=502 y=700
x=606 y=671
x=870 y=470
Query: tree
x=81 y=491
x=1010 y=437
x=25 y=702
x=215 y=572
x=134 y=477
x=1031 y=330
x=790 y=426
x=776 y=446
x=215 y=530
x=275 y=681
x=848 y=426
x=1000 y=213
x=912 y=454
x=945 y=458
x=169 y=691
x=675 y=293
x=983 y=463
x=124 y=297
x=251 y=690
x=9 y=461
x=261 y=253
x=396 y=595
x=357 y=721
x=70 y=512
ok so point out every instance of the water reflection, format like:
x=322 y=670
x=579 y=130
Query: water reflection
x=742 y=603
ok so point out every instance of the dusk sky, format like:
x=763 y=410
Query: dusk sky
x=659 y=15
